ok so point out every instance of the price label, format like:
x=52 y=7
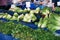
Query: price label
x=58 y=3
x=27 y=4
x=14 y=1
x=13 y=6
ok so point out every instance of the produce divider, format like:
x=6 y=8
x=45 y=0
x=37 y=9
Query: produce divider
x=6 y=37
x=31 y=25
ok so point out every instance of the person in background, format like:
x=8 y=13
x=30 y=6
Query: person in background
x=21 y=3
x=32 y=5
x=9 y=3
x=41 y=4
x=48 y=3
x=55 y=3
x=37 y=2
x=5 y=4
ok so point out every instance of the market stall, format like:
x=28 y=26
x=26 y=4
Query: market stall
x=37 y=19
x=30 y=22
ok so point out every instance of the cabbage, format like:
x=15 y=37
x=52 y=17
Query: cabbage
x=37 y=10
x=1 y=16
x=13 y=18
x=44 y=24
x=54 y=22
x=40 y=22
x=25 y=10
x=44 y=13
x=16 y=9
x=8 y=16
x=33 y=17
x=28 y=9
x=27 y=18
x=31 y=12
x=15 y=14
x=21 y=16
x=47 y=11
x=5 y=15
x=20 y=11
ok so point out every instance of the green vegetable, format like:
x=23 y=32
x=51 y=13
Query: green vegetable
x=15 y=14
x=8 y=17
x=44 y=24
x=57 y=9
x=25 y=10
x=54 y=22
x=31 y=12
x=20 y=17
x=25 y=33
x=40 y=22
x=27 y=18
x=37 y=10
x=13 y=18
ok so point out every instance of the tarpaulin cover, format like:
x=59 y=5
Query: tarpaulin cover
x=6 y=37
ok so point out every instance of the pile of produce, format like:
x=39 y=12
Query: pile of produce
x=57 y=9
x=19 y=15
x=44 y=19
x=25 y=33
x=54 y=22
x=48 y=20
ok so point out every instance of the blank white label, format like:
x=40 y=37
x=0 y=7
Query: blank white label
x=13 y=6
x=58 y=3
x=27 y=4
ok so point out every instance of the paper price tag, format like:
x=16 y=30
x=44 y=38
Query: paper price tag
x=14 y=1
x=27 y=4
x=58 y=3
x=13 y=6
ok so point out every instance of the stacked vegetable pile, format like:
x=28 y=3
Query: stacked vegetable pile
x=57 y=9
x=54 y=22
x=19 y=15
x=48 y=20
x=44 y=19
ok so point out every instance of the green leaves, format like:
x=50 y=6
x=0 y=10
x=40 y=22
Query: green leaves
x=15 y=14
x=48 y=19
x=24 y=32
x=57 y=9
x=54 y=22
x=43 y=22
